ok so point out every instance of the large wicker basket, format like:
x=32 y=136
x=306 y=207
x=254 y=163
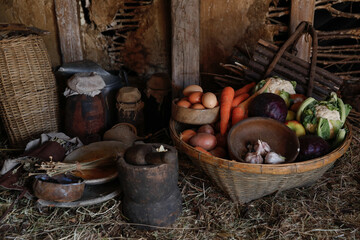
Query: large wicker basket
x=244 y=182
x=28 y=92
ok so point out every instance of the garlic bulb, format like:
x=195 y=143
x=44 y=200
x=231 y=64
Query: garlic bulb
x=274 y=158
x=253 y=157
x=262 y=148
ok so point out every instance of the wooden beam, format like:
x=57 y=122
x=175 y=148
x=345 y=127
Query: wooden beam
x=69 y=30
x=302 y=10
x=185 y=57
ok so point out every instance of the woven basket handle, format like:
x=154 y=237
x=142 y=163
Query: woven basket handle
x=302 y=28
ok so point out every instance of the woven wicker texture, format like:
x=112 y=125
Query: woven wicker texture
x=244 y=182
x=28 y=92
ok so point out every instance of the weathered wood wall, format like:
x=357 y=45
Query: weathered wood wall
x=35 y=13
x=147 y=47
x=226 y=24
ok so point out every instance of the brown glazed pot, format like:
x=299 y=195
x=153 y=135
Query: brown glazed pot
x=60 y=188
x=151 y=195
x=85 y=117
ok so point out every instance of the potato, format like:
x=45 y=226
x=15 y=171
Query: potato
x=219 y=152
x=187 y=134
x=221 y=140
x=207 y=128
x=204 y=140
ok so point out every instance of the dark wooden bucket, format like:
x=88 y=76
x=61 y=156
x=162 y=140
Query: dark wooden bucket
x=151 y=195
x=85 y=117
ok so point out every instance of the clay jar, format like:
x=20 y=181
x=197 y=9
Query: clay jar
x=85 y=117
x=130 y=108
x=150 y=192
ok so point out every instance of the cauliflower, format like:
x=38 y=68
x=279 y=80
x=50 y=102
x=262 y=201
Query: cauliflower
x=323 y=112
x=277 y=85
x=324 y=118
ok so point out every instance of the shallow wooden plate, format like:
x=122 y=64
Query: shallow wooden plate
x=94 y=151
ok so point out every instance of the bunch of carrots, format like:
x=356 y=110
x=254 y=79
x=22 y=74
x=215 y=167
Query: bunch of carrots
x=234 y=104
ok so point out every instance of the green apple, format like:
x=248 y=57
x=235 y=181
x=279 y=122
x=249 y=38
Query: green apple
x=297 y=127
x=290 y=115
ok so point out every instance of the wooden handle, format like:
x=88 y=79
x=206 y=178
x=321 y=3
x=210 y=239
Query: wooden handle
x=303 y=27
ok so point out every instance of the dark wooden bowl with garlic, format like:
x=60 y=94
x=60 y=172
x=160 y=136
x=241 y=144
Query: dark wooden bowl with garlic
x=262 y=140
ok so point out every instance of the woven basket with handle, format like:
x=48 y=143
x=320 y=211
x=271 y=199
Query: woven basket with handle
x=244 y=182
x=28 y=92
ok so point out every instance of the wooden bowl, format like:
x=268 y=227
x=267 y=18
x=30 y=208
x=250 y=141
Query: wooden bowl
x=59 y=188
x=281 y=138
x=194 y=116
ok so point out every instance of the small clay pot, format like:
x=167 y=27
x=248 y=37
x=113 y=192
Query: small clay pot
x=59 y=188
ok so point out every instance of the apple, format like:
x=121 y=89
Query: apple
x=296 y=101
x=295 y=98
x=297 y=127
x=295 y=107
x=290 y=115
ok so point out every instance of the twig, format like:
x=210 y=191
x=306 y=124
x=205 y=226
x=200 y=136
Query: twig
x=54 y=168
x=336 y=13
x=347 y=73
x=11 y=149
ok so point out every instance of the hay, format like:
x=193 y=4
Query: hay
x=326 y=210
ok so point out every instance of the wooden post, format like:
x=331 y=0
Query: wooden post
x=302 y=10
x=69 y=30
x=185 y=57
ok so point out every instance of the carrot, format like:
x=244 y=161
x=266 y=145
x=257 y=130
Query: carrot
x=203 y=150
x=238 y=114
x=245 y=104
x=237 y=100
x=226 y=98
x=245 y=89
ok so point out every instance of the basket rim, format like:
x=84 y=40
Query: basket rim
x=273 y=169
x=21 y=38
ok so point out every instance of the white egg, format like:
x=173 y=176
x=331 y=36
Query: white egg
x=209 y=100
x=192 y=88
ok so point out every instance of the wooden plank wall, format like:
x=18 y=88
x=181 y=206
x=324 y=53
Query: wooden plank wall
x=302 y=10
x=185 y=44
x=69 y=30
